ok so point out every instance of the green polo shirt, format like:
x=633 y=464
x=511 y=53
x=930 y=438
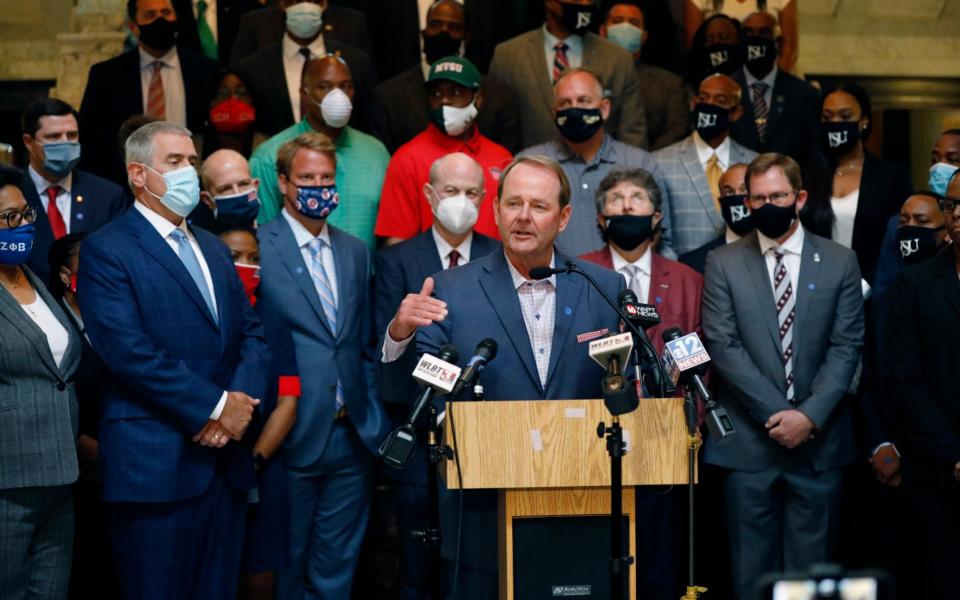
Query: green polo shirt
x=361 y=164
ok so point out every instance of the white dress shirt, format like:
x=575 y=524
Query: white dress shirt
x=165 y=228
x=705 y=151
x=56 y=333
x=293 y=67
x=64 y=199
x=844 y=212
x=769 y=80
x=444 y=248
x=175 y=98
x=574 y=50
x=792 y=249
x=643 y=267
x=211 y=16
x=303 y=239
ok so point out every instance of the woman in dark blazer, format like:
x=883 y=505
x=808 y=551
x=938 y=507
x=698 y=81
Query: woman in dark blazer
x=852 y=194
x=39 y=353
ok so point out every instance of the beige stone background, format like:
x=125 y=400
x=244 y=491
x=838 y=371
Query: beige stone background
x=60 y=39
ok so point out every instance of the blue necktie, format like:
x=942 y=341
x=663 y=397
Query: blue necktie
x=189 y=260
x=322 y=283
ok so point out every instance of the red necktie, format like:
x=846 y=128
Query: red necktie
x=560 y=61
x=57 y=225
x=454 y=257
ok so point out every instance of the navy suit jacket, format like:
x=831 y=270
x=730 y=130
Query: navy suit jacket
x=170 y=360
x=483 y=303
x=95 y=202
x=287 y=293
x=400 y=270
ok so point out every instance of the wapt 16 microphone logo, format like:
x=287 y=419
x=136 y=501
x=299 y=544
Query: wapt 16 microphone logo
x=688 y=352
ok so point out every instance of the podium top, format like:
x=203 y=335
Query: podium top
x=553 y=444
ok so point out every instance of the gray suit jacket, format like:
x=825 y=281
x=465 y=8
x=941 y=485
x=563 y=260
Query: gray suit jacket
x=38 y=405
x=522 y=65
x=694 y=219
x=741 y=334
x=665 y=101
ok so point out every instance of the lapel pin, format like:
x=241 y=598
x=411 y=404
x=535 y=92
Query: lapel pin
x=79 y=216
x=811 y=286
x=567 y=311
x=665 y=286
x=658 y=299
x=79 y=199
x=299 y=270
x=816 y=257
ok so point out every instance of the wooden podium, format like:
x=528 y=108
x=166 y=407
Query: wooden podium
x=546 y=460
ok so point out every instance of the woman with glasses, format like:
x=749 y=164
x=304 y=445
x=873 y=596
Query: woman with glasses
x=39 y=353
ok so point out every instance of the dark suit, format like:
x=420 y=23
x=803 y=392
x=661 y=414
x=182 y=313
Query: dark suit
x=264 y=26
x=265 y=78
x=400 y=111
x=114 y=93
x=483 y=303
x=38 y=458
x=171 y=361
x=782 y=504
x=920 y=371
x=330 y=462
x=95 y=202
x=697 y=259
x=229 y=15
x=665 y=102
x=793 y=120
x=400 y=270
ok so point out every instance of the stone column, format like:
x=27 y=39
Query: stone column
x=97 y=33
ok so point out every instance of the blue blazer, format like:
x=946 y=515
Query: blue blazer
x=95 y=201
x=483 y=303
x=288 y=296
x=400 y=270
x=170 y=359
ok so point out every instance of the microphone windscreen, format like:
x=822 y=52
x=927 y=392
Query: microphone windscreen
x=540 y=272
x=671 y=334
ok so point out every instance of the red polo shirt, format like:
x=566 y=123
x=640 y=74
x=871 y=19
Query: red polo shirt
x=404 y=211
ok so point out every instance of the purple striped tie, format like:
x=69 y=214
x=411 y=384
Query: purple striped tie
x=786 y=303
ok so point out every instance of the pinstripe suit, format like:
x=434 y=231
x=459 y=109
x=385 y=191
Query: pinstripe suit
x=38 y=458
x=694 y=219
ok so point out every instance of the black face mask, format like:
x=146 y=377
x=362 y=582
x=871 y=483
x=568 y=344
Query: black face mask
x=578 y=124
x=759 y=55
x=773 y=221
x=917 y=243
x=577 y=18
x=721 y=58
x=160 y=34
x=710 y=120
x=838 y=138
x=629 y=231
x=737 y=214
x=440 y=45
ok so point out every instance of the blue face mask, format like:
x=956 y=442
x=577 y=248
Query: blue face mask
x=627 y=36
x=940 y=175
x=317 y=201
x=16 y=244
x=183 y=190
x=60 y=158
x=242 y=207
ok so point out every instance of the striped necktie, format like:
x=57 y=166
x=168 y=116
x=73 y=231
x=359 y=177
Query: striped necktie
x=786 y=303
x=322 y=283
x=156 y=103
x=560 y=61
x=760 y=108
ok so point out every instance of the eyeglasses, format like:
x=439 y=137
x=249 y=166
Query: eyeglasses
x=949 y=204
x=778 y=198
x=14 y=219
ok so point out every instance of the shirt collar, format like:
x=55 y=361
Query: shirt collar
x=792 y=245
x=606 y=153
x=730 y=237
x=769 y=79
x=300 y=233
x=171 y=59
x=163 y=226
x=644 y=263
x=291 y=48
x=42 y=184
x=705 y=151
x=573 y=41
x=444 y=247
x=451 y=144
x=519 y=279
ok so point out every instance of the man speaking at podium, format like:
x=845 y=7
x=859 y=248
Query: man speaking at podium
x=537 y=325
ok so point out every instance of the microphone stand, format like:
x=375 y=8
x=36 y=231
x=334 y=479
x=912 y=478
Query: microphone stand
x=693 y=443
x=430 y=537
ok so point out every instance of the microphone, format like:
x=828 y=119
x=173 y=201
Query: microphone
x=643 y=317
x=685 y=359
x=611 y=353
x=437 y=374
x=544 y=272
x=485 y=352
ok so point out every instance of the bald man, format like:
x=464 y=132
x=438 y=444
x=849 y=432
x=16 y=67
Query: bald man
x=693 y=166
x=230 y=193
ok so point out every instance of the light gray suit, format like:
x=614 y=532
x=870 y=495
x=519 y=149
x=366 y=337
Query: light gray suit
x=773 y=489
x=38 y=457
x=522 y=64
x=694 y=219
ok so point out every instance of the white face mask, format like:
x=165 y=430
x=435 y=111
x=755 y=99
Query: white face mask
x=457 y=213
x=458 y=120
x=336 y=108
x=304 y=19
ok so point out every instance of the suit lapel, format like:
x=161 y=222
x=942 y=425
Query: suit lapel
x=659 y=275
x=220 y=284
x=570 y=290
x=691 y=162
x=537 y=63
x=428 y=257
x=808 y=282
x=79 y=203
x=283 y=240
x=347 y=271
x=71 y=357
x=762 y=290
x=275 y=60
x=28 y=329
x=44 y=235
x=748 y=119
x=777 y=101
x=497 y=285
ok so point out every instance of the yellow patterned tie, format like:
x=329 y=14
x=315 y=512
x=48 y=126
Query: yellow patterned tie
x=713 y=179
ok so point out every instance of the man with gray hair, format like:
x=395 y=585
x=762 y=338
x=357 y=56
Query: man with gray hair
x=455 y=192
x=166 y=312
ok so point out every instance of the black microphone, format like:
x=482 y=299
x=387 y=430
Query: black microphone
x=485 y=352
x=686 y=358
x=544 y=272
x=642 y=315
x=437 y=374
